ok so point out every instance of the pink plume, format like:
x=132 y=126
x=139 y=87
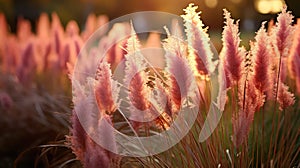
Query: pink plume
x=262 y=57
x=43 y=42
x=177 y=65
x=72 y=28
x=23 y=30
x=98 y=125
x=282 y=38
x=231 y=56
x=284 y=98
x=43 y=26
x=105 y=88
x=90 y=27
x=136 y=80
x=199 y=41
x=282 y=33
x=181 y=85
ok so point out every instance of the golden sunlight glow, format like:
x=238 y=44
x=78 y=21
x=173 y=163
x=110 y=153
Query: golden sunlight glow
x=236 y=1
x=269 y=6
x=211 y=3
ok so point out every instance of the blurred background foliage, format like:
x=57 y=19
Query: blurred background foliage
x=250 y=12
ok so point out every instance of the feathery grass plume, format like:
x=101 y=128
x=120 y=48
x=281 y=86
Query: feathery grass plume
x=136 y=80
x=72 y=28
x=182 y=84
x=294 y=57
x=43 y=27
x=106 y=89
x=282 y=35
x=87 y=151
x=200 y=53
x=84 y=103
x=261 y=59
x=78 y=135
x=231 y=56
x=23 y=30
x=284 y=97
x=282 y=41
x=174 y=45
x=56 y=44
